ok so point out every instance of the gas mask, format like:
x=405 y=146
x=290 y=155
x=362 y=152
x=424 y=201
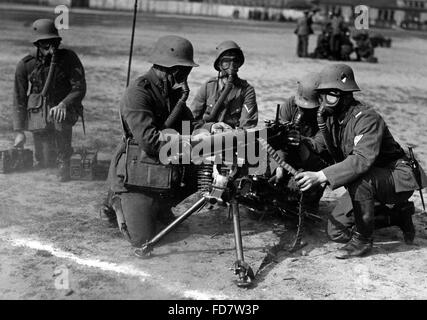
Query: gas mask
x=329 y=102
x=178 y=75
x=229 y=64
x=47 y=47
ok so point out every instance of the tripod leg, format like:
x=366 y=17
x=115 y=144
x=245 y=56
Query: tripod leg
x=146 y=249
x=241 y=268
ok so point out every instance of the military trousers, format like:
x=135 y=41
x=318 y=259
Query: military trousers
x=302 y=46
x=53 y=144
x=137 y=215
x=335 y=46
x=357 y=207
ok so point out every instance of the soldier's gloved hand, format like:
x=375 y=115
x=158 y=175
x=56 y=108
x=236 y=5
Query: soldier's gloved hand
x=293 y=138
x=19 y=139
x=59 y=112
x=277 y=177
x=220 y=127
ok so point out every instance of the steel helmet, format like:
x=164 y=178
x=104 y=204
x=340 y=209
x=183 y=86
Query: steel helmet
x=172 y=51
x=227 y=46
x=44 y=29
x=338 y=76
x=307 y=97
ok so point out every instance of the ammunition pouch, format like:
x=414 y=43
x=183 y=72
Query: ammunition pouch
x=37 y=113
x=142 y=171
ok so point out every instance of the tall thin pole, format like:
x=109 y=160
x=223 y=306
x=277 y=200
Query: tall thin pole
x=135 y=9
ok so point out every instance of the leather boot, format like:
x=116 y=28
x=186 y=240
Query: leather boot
x=401 y=216
x=358 y=246
x=382 y=217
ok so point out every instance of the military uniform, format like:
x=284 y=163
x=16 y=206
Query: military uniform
x=240 y=104
x=372 y=166
x=289 y=112
x=145 y=106
x=337 y=28
x=303 y=31
x=68 y=86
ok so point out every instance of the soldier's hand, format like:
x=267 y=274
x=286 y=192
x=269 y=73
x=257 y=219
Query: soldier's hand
x=308 y=179
x=59 y=112
x=220 y=127
x=20 y=140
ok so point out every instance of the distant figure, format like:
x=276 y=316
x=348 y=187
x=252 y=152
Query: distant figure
x=303 y=31
x=346 y=46
x=337 y=31
x=322 y=50
x=364 y=48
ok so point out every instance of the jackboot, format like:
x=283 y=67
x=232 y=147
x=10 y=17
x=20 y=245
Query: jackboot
x=401 y=216
x=358 y=246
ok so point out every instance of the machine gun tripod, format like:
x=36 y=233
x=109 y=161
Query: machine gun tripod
x=224 y=191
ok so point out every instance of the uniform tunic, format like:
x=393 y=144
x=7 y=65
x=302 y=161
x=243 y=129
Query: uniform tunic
x=241 y=106
x=68 y=86
x=145 y=106
x=371 y=165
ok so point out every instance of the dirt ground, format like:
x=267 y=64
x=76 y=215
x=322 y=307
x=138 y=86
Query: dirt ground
x=46 y=226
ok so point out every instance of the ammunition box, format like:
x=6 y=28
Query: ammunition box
x=83 y=164
x=15 y=159
x=89 y=163
x=5 y=161
x=76 y=166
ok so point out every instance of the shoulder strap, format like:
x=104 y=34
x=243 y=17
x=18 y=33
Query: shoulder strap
x=50 y=74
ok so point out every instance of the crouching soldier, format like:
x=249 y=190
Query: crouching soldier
x=301 y=110
x=144 y=189
x=369 y=163
x=55 y=81
x=226 y=101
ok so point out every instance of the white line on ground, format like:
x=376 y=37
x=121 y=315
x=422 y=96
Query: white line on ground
x=124 y=269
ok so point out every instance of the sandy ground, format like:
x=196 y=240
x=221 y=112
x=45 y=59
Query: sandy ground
x=46 y=226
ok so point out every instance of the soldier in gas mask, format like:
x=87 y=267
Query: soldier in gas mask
x=143 y=190
x=301 y=110
x=226 y=101
x=369 y=163
x=59 y=90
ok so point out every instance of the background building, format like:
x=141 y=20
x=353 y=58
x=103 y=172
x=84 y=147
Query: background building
x=383 y=13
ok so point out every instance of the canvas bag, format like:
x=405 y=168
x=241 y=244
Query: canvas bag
x=37 y=108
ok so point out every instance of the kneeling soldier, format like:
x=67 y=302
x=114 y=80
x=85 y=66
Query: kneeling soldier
x=301 y=110
x=143 y=189
x=369 y=163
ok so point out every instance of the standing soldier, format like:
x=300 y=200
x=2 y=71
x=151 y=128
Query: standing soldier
x=337 y=30
x=369 y=163
x=303 y=31
x=226 y=101
x=55 y=80
x=143 y=189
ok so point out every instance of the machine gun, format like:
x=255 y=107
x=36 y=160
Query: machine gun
x=230 y=184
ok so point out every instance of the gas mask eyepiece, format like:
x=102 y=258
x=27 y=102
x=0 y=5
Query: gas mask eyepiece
x=230 y=64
